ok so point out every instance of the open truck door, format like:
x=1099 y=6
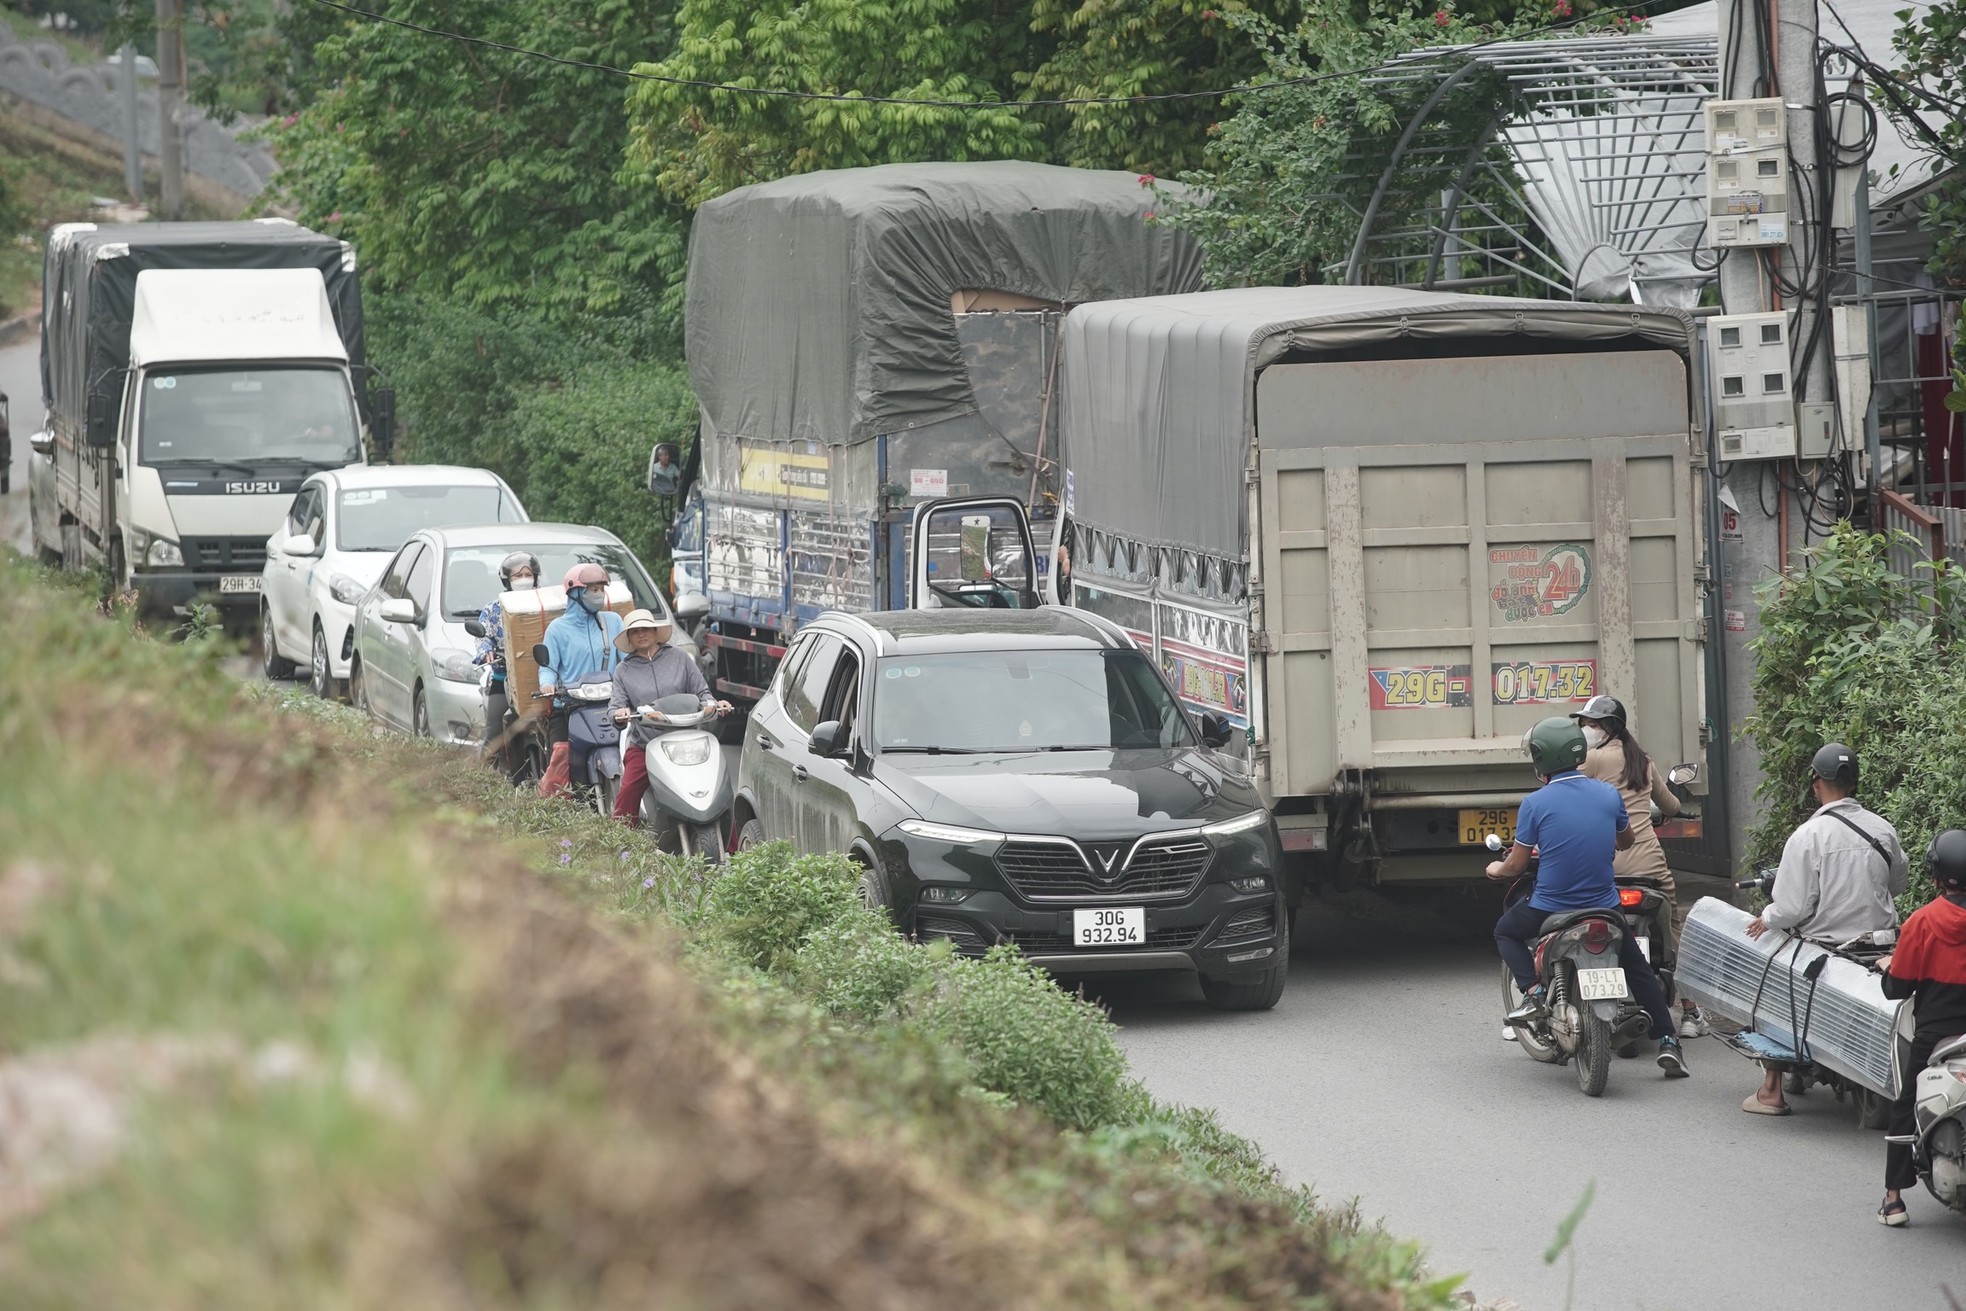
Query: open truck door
x=973 y=552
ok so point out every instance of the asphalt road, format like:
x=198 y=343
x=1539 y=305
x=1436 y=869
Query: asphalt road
x=1382 y=1076
x=20 y=379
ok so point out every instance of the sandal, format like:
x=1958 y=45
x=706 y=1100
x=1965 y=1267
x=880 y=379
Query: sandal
x=1893 y=1214
x=1753 y=1105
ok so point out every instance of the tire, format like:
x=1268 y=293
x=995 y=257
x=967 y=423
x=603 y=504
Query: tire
x=873 y=888
x=751 y=835
x=1794 y=1084
x=276 y=669
x=1525 y=1039
x=358 y=688
x=707 y=841
x=1261 y=994
x=1873 y=1111
x=1593 y=1051
x=320 y=674
x=419 y=715
x=606 y=789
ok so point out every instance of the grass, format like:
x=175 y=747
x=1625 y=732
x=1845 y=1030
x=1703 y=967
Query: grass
x=54 y=180
x=439 y=1044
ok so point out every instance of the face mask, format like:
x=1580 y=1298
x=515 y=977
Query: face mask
x=521 y=585
x=1595 y=737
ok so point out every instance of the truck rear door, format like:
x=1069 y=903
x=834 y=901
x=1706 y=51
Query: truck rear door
x=1452 y=549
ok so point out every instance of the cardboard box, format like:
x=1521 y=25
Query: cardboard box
x=526 y=616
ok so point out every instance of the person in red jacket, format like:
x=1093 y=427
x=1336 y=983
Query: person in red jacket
x=1929 y=967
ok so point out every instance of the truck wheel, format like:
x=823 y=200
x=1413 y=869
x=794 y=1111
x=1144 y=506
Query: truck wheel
x=1261 y=995
x=1873 y=1111
x=270 y=663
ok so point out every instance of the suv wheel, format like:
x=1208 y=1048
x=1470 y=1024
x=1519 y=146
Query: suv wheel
x=874 y=893
x=1258 y=995
x=751 y=835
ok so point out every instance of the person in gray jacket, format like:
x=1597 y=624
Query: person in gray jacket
x=1840 y=870
x=653 y=669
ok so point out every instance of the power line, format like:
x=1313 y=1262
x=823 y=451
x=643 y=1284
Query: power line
x=782 y=93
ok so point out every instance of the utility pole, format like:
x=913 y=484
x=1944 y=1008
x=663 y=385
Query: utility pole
x=170 y=102
x=132 y=148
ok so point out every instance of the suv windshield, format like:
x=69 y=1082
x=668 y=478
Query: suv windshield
x=382 y=518
x=291 y=413
x=471 y=572
x=1042 y=700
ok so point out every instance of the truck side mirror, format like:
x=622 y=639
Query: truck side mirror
x=382 y=407
x=691 y=606
x=103 y=408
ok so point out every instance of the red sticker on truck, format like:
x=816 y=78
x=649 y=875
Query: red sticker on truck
x=1537 y=582
x=1419 y=687
x=1543 y=682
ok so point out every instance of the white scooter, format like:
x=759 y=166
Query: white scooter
x=689 y=789
x=1938 y=1138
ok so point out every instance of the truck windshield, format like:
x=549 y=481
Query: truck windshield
x=471 y=572
x=290 y=413
x=1039 y=700
x=382 y=518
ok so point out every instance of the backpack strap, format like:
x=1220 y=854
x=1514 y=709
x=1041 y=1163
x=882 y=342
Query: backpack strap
x=1858 y=829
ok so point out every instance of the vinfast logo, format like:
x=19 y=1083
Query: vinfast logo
x=1105 y=858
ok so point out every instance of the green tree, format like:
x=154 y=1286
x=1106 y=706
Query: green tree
x=1933 y=47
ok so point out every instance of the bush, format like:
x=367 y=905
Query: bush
x=769 y=902
x=858 y=967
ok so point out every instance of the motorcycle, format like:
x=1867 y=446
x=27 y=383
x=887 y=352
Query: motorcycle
x=689 y=788
x=1591 y=1011
x=593 y=738
x=1938 y=1137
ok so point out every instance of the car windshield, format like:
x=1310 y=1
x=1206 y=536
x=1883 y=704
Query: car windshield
x=471 y=572
x=291 y=413
x=1033 y=700
x=382 y=518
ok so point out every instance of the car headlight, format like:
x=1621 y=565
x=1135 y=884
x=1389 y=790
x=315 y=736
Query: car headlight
x=1240 y=824
x=156 y=552
x=691 y=750
x=453 y=666
x=950 y=833
x=348 y=591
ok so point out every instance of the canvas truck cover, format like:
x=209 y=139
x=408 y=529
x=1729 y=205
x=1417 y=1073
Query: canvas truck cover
x=818 y=306
x=90 y=280
x=1160 y=395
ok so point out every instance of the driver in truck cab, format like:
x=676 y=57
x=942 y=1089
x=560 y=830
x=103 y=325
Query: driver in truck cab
x=1576 y=825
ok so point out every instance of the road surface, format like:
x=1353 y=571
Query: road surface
x=1382 y=1076
x=20 y=379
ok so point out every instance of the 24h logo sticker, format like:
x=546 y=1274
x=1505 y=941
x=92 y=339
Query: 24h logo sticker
x=1537 y=585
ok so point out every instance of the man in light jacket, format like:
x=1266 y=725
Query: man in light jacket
x=1839 y=873
x=652 y=670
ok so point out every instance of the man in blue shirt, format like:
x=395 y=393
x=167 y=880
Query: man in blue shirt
x=1576 y=825
x=580 y=642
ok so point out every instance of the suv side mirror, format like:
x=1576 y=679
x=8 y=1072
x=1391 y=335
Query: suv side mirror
x=828 y=738
x=1216 y=731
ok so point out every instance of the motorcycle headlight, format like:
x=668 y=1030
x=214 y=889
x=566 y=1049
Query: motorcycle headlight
x=691 y=750
x=453 y=666
x=591 y=691
x=950 y=833
x=1240 y=824
x=348 y=591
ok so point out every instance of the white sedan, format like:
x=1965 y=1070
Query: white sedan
x=337 y=538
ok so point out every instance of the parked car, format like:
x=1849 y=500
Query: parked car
x=1021 y=776
x=412 y=665
x=336 y=540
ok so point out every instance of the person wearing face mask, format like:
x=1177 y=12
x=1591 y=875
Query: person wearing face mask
x=579 y=642
x=1617 y=758
x=650 y=670
x=517 y=572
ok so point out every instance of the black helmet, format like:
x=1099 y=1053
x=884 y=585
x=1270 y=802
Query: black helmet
x=516 y=560
x=1945 y=859
x=1605 y=710
x=1836 y=765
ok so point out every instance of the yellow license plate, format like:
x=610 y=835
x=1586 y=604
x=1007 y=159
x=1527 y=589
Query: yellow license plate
x=1476 y=825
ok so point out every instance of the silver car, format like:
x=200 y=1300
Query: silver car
x=413 y=664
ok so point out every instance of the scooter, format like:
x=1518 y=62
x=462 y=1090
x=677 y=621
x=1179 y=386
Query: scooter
x=1591 y=1011
x=1938 y=1137
x=593 y=738
x=689 y=789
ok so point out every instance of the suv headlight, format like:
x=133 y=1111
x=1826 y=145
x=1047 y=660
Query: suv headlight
x=348 y=591
x=156 y=552
x=1240 y=824
x=453 y=666
x=950 y=833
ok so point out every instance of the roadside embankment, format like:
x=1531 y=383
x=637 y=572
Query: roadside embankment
x=295 y=1015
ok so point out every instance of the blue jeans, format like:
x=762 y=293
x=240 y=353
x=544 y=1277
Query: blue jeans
x=1521 y=923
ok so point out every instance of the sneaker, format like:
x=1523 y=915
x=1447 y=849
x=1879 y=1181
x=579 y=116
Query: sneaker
x=1533 y=1006
x=1893 y=1214
x=1509 y=1033
x=1671 y=1059
x=1693 y=1024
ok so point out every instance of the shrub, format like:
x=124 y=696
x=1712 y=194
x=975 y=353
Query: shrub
x=769 y=902
x=860 y=968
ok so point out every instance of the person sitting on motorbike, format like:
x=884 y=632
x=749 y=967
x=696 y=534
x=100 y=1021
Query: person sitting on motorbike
x=579 y=642
x=650 y=670
x=517 y=572
x=1929 y=967
x=1617 y=758
x=1839 y=872
x=1576 y=826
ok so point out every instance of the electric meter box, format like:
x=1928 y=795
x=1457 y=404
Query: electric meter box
x=1753 y=397
x=1747 y=173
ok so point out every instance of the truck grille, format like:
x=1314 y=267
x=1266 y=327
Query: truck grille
x=225 y=554
x=1157 y=940
x=1158 y=869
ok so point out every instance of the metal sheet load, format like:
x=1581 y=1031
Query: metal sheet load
x=1841 y=1019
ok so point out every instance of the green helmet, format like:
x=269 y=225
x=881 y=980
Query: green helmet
x=1555 y=745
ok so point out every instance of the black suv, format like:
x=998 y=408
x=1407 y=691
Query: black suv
x=1021 y=776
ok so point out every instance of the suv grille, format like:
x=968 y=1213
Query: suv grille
x=235 y=554
x=1247 y=925
x=1157 y=940
x=1160 y=869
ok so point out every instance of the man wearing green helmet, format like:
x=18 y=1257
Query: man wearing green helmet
x=1576 y=825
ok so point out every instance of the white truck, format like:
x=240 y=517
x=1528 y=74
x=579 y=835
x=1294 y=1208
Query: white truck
x=194 y=375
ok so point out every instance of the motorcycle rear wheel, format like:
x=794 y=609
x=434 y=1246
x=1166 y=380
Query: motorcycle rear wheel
x=1526 y=1038
x=1593 y=1051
